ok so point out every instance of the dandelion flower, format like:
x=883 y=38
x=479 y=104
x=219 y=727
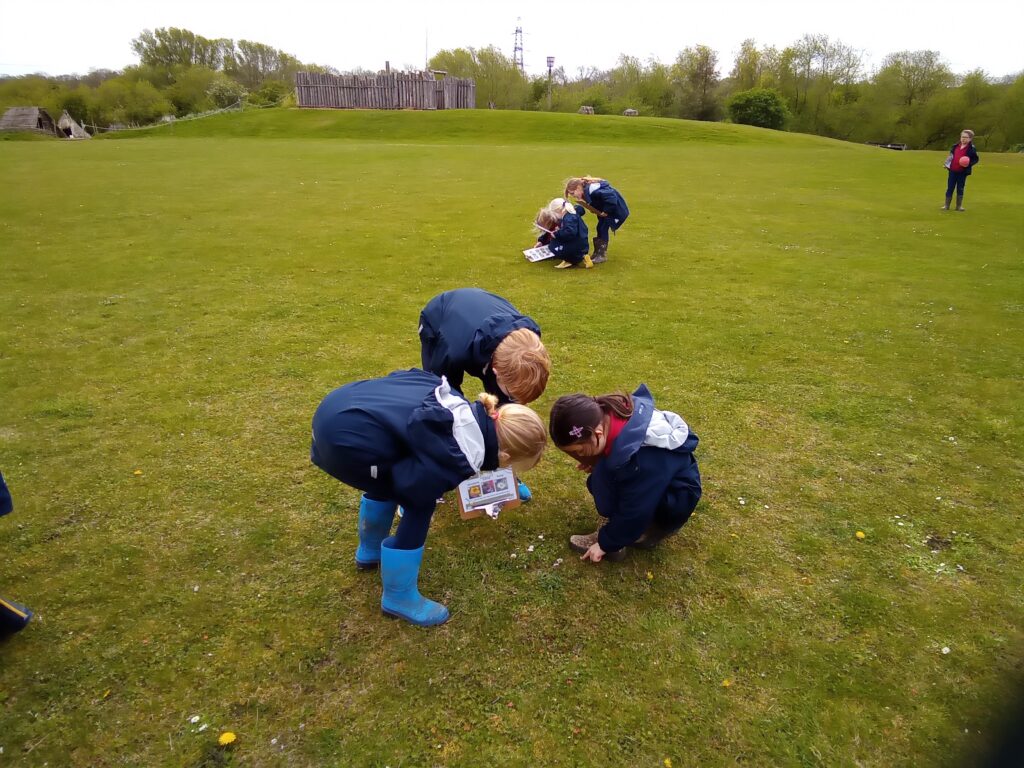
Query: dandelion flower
x=650 y=576
x=668 y=763
x=227 y=738
x=726 y=683
x=859 y=534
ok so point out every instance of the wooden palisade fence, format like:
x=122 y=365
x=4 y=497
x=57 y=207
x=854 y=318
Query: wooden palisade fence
x=390 y=90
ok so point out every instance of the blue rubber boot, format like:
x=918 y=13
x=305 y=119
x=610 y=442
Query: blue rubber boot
x=13 y=616
x=400 y=572
x=375 y=518
x=524 y=492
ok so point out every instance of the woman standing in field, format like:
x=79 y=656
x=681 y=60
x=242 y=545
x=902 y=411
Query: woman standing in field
x=962 y=157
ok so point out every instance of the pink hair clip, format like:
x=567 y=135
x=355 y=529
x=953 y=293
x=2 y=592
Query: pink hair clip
x=576 y=432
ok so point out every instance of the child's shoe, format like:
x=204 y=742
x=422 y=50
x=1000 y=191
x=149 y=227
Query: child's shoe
x=564 y=265
x=581 y=542
x=524 y=492
x=588 y=263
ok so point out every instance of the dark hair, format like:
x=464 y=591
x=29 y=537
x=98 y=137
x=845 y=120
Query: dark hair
x=575 y=417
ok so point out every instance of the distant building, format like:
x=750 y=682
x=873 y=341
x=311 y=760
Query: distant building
x=28 y=119
x=67 y=127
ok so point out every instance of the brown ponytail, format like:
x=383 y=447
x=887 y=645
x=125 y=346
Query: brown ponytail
x=575 y=417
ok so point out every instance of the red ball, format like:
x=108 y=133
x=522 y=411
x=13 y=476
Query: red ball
x=965 y=161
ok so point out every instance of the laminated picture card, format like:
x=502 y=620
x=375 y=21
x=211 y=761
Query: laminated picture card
x=488 y=493
x=538 y=254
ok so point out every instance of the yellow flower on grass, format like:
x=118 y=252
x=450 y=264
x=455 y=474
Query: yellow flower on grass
x=668 y=763
x=859 y=534
x=726 y=683
x=650 y=576
x=226 y=738
x=137 y=472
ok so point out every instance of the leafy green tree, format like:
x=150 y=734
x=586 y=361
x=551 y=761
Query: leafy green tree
x=498 y=79
x=252 y=63
x=762 y=107
x=746 y=71
x=696 y=75
x=167 y=47
x=224 y=92
x=131 y=103
x=189 y=89
x=916 y=74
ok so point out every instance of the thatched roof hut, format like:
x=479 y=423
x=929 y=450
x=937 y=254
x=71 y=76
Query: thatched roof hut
x=69 y=128
x=28 y=119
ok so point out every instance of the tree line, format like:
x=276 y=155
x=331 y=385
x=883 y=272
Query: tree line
x=815 y=85
x=179 y=73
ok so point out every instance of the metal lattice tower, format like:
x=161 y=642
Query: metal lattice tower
x=517 y=52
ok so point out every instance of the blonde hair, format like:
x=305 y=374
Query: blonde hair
x=521 y=434
x=523 y=363
x=969 y=132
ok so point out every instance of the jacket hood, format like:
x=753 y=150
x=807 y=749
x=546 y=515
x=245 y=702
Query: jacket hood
x=651 y=427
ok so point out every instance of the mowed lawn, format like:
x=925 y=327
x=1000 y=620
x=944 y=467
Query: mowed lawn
x=175 y=307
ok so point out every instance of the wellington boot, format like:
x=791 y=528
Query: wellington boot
x=375 y=518
x=959 y=202
x=651 y=538
x=525 y=494
x=581 y=542
x=400 y=573
x=949 y=200
x=13 y=616
x=600 y=250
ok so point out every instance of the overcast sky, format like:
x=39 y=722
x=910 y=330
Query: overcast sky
x=64 y=37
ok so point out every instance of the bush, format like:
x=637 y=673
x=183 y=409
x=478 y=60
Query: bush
x=762 y=107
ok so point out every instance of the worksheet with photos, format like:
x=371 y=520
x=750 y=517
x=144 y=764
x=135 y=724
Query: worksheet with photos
x=488 y=488
x=538 y=254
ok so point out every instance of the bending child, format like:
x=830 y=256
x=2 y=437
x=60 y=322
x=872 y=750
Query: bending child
x=605 y=201
x=468 y=330
x=13 y=616
x=407 y=439
x=643 y=474
x=564 y=232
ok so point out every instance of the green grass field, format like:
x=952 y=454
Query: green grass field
x=174 y=308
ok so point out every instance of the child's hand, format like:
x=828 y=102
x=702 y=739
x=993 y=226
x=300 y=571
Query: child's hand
x=594 y=554
x=588 y=468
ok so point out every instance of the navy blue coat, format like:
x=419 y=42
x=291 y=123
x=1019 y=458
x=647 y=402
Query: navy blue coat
x=638 y=478
x=607 y=199
x=571 y=241
x=6 y=503
x=459 y=331
x=407 y=437
x=972 y=153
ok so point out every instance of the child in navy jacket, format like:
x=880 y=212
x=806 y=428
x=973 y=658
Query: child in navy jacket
x=13 y=616
x=407 y=439
x=643 y=475
x=565 y=233
x=605 y=201
x=469 y=330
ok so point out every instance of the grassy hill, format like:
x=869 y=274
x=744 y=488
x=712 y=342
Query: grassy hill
x=174 y=310
x=472 y=126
